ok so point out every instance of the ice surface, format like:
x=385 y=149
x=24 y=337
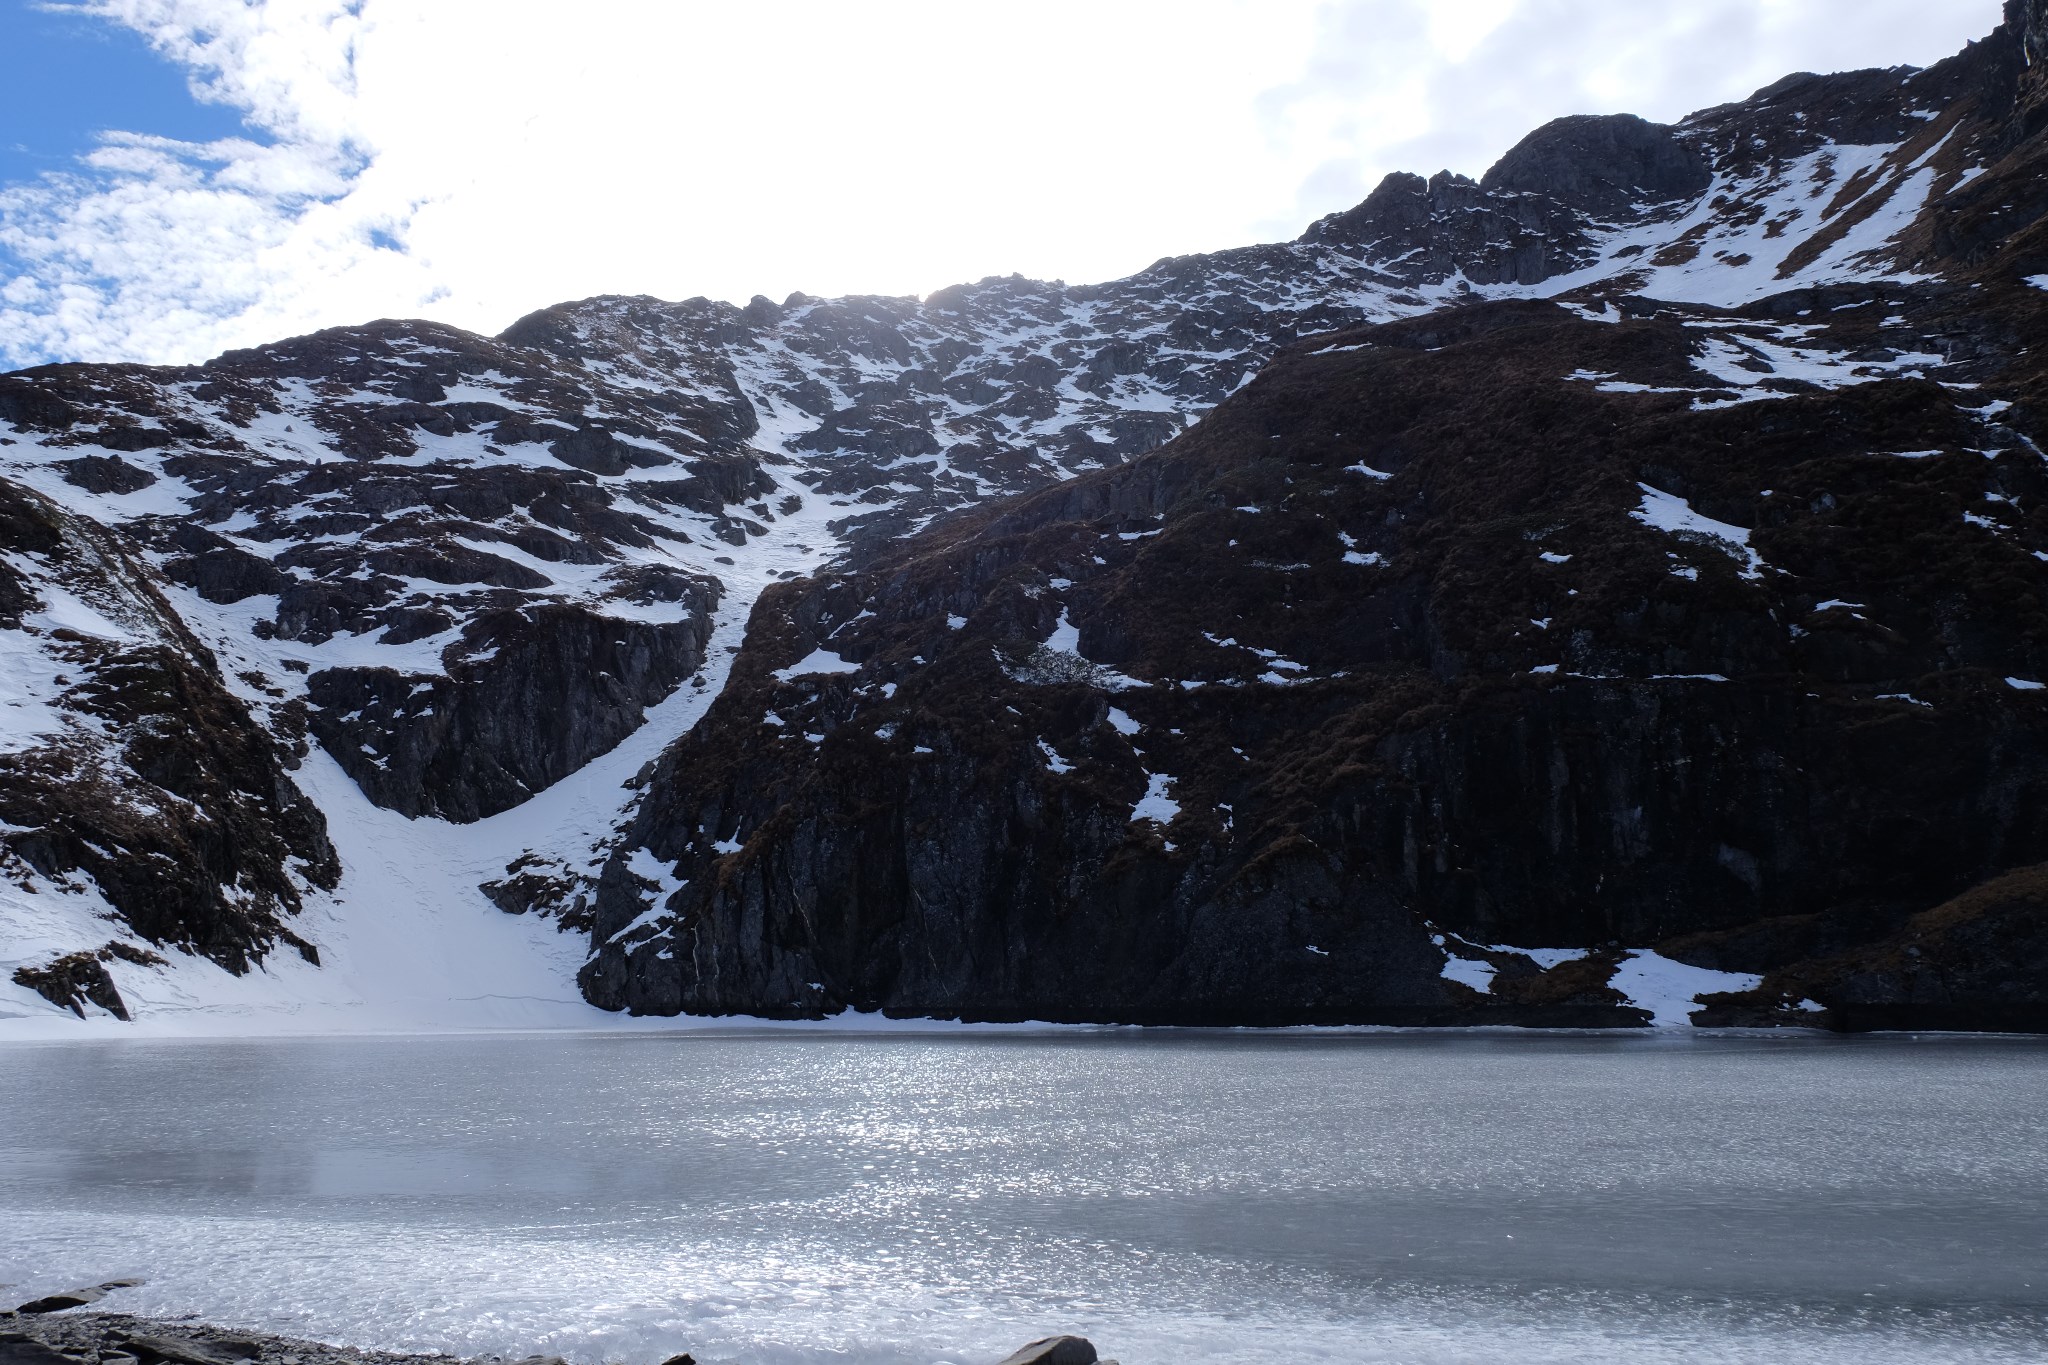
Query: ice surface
x=915 y=1199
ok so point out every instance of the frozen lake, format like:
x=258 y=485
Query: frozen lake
x=1180 y=1198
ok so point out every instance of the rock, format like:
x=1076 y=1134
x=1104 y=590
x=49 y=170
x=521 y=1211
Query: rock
x=168 y=793
x=75 y=1298
x=1603 y=164
x=16 y=1349
x=159 y=1350
x=72 y=982
x=1065 y=1350
x=105 y=474
x=685 y=1358
x=553 y=688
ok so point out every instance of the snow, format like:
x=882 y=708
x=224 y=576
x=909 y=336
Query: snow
x=818 y=661
x=1471 y=972
x=1053 y=759
x=1155 y=804
x=1664 y=988
x=1675 y=516
x=28 y=686
x=1122 y=723
x=1668 y=989
x=2025 y=684
x=64 y=610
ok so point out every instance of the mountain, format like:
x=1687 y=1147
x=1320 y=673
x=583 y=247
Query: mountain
x=1421 y=621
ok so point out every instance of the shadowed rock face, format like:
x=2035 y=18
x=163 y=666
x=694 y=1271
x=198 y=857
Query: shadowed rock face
x=538 y=694
x=1501 y=624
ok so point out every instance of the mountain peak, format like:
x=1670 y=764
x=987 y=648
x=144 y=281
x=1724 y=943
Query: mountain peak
x=1602 y=163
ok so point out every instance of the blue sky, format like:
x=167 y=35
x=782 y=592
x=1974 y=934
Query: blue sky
x=473 y=160
x=68 y=77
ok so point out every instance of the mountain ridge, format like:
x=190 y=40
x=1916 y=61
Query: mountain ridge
x=468 y=566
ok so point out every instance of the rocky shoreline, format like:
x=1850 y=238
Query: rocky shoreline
x=122 y=1339
x=38 y=1335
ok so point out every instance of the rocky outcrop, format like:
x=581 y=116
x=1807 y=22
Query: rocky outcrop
x=528 y=698
x=1977 y=962
x=130 y=771
x=116 y=1338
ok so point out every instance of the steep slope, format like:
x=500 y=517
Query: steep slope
x=1517 y=624
x=141 y=805
x=1499 y=627
x=467 y=568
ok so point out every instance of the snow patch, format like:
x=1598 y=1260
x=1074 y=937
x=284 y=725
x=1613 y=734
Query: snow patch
x=1675 y=516
x=818 y=661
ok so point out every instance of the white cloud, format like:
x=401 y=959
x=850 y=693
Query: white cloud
x=518 y=153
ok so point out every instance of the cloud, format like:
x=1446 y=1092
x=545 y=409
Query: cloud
x=1503 y=67
x=474 y=159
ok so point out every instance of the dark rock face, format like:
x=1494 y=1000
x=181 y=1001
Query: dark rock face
x=498 y=523
x=1977 y=962
x=531 y=697
x=74 y=981
x=1604 y=164
x=1055 y=1351
x=1501 y=624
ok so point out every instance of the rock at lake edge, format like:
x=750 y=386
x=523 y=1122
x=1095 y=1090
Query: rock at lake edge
x=1061 y=1350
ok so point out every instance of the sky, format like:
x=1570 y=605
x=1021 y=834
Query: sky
x=178 y=177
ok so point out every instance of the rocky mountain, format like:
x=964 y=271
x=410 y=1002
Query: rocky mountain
x=1418 y=621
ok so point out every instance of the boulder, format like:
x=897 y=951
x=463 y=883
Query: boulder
x=17 y=1349
x=1063 y=1350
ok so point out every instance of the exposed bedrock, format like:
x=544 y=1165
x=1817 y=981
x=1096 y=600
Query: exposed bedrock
x=529 y=697
x=1503 y=624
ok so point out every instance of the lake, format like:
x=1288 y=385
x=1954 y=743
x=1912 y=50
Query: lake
x=781 y=1198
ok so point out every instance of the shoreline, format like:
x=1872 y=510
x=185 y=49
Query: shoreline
x=103 y=1338
x=65 y=1337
